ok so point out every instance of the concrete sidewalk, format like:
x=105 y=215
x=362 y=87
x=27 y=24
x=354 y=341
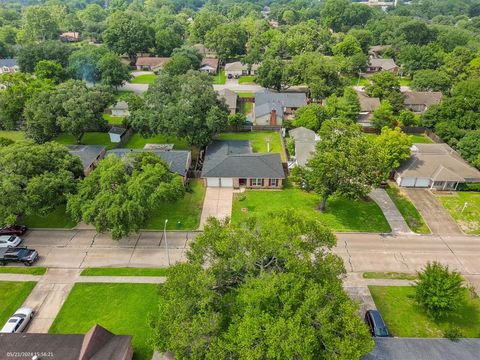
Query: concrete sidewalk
x=392 y=214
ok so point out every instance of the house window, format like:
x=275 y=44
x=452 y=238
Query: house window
x=274 y=182
x=256 y=182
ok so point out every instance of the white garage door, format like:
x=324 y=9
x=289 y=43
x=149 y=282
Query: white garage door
x=226 y=182
x=213 y=182
x=408 y=182
x=422 y=182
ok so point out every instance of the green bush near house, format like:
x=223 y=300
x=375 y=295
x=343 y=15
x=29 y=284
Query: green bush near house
x=123 y=309
x=342 y=215
x=408 y=210
x=405 y=318
x=12 y=296
x=220 y=78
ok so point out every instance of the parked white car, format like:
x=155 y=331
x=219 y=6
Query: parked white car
x=7 y=241
x=18 y=322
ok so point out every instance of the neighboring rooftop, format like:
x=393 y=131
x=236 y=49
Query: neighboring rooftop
x=120 y=105
x=8 y=62
x=286 y=99
x=394 y=348
x=152 y=61
x=238 y=66
x=117 y=130
x=88 y=154
x=303 y=134
x=305 y=144
x=97 y=344
x=438 y=162
x=385 y=64
x=211 y=62
x=229 y=96
x=426 y=98
x=233 y=158
x=266 y=108
x=367 y=103
x=177 y=160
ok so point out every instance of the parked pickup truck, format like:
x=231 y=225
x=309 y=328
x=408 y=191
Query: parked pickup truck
x=18 y=254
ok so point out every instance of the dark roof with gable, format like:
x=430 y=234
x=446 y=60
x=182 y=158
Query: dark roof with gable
x=87 y=153
x=177 y=160
x=234 y=158
x=117 y=130
x=97 y=344
x=8 y=62
x=286 y=99
x=394 y=348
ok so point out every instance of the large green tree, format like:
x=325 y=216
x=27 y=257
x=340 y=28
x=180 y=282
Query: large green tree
x=395 y=144
x=185 y=106
x=39 y=23
x=35 y=179
x=29 y=55
x=257 y=292
x=228 y=40
x=128 y=33
x=121 y=193
x=346 y=163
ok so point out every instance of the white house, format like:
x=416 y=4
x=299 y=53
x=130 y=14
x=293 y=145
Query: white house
x=120 y=109
x=237 y=69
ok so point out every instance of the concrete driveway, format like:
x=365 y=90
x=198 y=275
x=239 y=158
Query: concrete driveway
x=435 y=215
x=218 y=203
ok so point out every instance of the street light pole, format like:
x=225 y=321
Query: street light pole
x=166 y=244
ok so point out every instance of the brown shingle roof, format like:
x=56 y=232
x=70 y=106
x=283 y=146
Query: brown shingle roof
x=367 y=103
x=152 y=61
x=210 y=62
x=426 y=98
x=385 y=64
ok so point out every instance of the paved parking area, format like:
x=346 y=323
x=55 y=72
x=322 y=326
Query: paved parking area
x=435 y=215
x=218 y=203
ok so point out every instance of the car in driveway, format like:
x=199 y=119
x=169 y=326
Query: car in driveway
x=7 y=241
x=375 y=323
x=18 y=322
x=13 y=230
x=18 y=254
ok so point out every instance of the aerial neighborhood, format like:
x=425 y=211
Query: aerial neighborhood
x=240 y=180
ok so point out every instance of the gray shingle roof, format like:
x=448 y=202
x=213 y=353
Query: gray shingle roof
x=303 y=134
x=117 y=130
x=286 y=99
x=438 y=162
x=87 y=153
x=305 y=143
x=233 y=158
x=426 y=98
x=8 y=62
x=385 y=64
x=230 y=97
x=424 y=349
x=177 y=160
x=367 y=103
x=265 y=109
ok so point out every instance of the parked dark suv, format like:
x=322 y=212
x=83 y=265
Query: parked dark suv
x=13 y=230
x=376 y=324
x=18 y=254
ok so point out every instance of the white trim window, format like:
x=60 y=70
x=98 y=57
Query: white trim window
x=274 y=182
x=256 y=182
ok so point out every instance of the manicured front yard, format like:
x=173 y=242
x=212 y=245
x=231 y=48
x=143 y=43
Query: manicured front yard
x=121 y=308
x=89 y=138
x=469 y=219
x=421 y=139
x=144 y=79
x=389 y=275
x=31 y=270
x=184 y=214
x=220 y=78
x=13 y=135
x=341 y=215
x=405 y=318
x=357 y=81
x=258 y=140
x=137 y=141
x=125 y=272
x=113 y=119
x=247 y=79
x=12 y=296
x=408 y=210
x=58 y=218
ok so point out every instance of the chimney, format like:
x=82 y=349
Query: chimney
x=273 y=118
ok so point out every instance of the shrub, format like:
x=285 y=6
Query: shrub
x=453 y=333
x=439 y=290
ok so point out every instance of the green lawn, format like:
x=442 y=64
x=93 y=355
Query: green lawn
x=247 y=79
x=357 y=81
x=89 y=138
x=258 y=140
x=124 y=272
x=31 y=270
x=113 y=119
x=58 y=218
x=247 y=107
x=220 y=78
x=408 y=210
x=341 y=215
x=13 y=135
x=184 y=214
x=12 y=296
x=404 y=318
x=246 y=94
x=421 y=139
x=138 y=142
x=405 y=81
x=469 y=220
x=144 y=79
x=121 y=308
x=389 y=275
